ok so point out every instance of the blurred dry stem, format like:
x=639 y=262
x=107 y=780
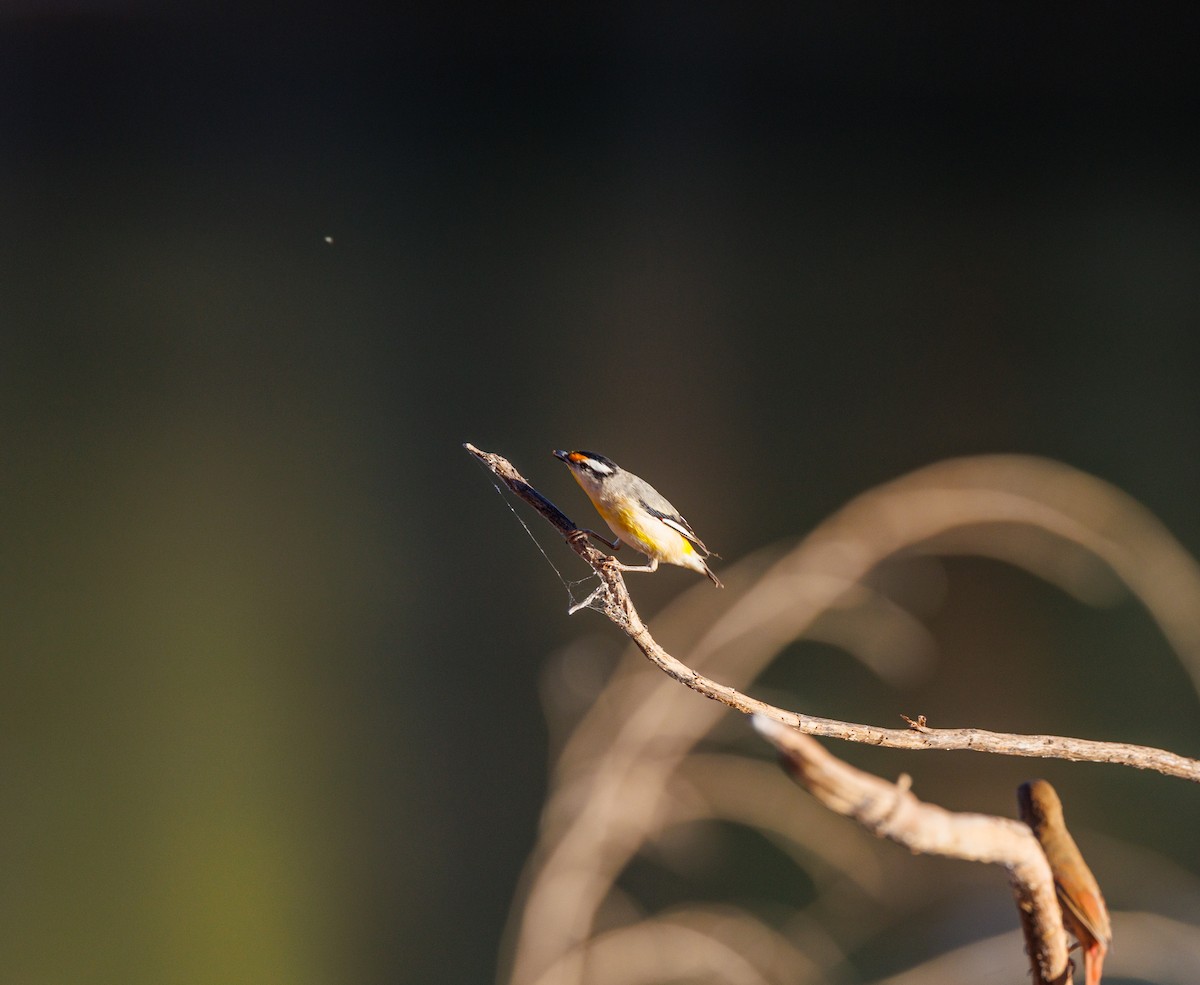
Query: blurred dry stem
x=619 y=607
x=892 y=811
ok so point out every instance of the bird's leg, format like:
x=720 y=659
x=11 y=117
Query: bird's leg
x=652 y=566
x=583 y=532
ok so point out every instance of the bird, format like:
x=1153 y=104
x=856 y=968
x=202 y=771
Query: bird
x=638 y=514
x=1083 y=910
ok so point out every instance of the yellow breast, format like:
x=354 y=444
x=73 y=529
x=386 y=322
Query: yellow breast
x=646 y=534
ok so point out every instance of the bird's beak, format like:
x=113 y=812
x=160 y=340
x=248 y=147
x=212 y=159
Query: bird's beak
x=561 y=455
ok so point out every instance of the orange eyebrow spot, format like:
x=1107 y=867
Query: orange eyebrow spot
x=576 y=457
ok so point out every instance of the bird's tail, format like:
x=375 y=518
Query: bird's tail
x=711 y=577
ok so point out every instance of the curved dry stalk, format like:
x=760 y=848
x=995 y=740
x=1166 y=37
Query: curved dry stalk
x=779 y=958
x=740 y=790
x=681 y=944
x=1038 y=514
x=982 y=962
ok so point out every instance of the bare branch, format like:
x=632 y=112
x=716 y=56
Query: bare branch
x=618 y=606
x=892 y=811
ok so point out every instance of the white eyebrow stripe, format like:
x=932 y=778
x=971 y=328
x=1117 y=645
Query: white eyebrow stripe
x=600 y=467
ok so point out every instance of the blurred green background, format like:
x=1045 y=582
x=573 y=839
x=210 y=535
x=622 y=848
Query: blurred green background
x=271 y=643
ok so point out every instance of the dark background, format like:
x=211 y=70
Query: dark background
x=271 y=643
